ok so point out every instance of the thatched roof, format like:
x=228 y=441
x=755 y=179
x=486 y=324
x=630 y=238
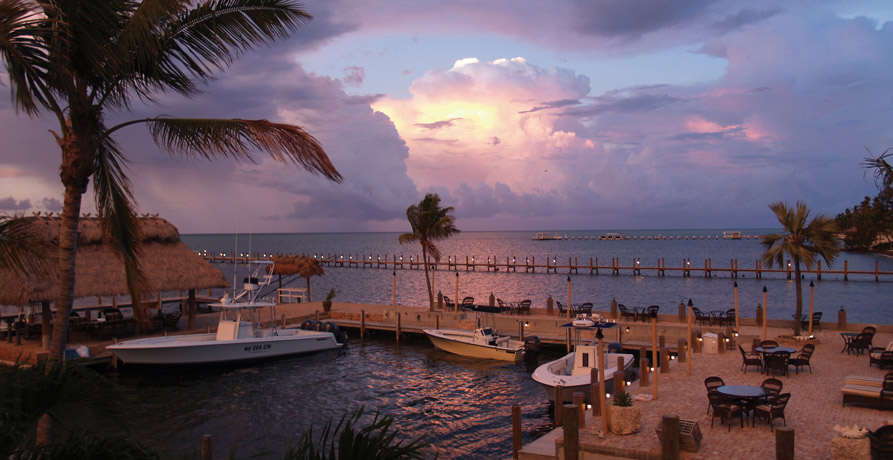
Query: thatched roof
x=300 y=265
x=167 y=263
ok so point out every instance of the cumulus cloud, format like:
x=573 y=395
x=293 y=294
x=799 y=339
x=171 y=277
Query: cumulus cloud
x=11 y=204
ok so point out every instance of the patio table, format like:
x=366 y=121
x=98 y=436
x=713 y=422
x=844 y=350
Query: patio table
x=847 y=339
x=748 y=395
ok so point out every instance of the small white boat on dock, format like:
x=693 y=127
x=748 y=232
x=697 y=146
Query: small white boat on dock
x=543 y=236
x=239 y=337
x=574 y=371
x=479 y=343
x=612 y=237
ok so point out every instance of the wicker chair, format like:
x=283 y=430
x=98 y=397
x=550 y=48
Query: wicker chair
x=725 y=409
x=468 y=302
x=883 y=357
x=523 y=307
x=777 y=362
x=802 y=359
x=773 y=410
x=448 y=303
x=625 y=313
x=772 y=386
x=881 y=442
x=712 y=383
x=650 y=311
x=861 y=343
x=768 y=344
x=586 y=308
x=699 y=316
x=728 y=318
x=816 y=324
x=749 y=359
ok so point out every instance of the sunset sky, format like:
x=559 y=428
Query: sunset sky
x=523 y=115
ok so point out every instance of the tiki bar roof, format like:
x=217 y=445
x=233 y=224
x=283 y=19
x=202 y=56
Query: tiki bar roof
x=167 y=263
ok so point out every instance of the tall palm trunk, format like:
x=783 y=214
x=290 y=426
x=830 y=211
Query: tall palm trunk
x=428 y=279
x=68 y=246
x=798 y=283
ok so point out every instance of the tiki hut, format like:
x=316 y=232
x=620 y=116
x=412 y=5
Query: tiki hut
x=168 y=265
x=303 y=266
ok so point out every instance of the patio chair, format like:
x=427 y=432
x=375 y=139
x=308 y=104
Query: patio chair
x=448 y=303
x=625 y=313
x=728 y=318
x=712 y=383
x=773 y=410
x=768 y=344
x=816 y=325
x=777 y=362
x=523 y=307
x=883 y=357
x=725 y=409
x=861 y=343
x=772 y=386
x=881 y=442
x=468 y=302
x=586 y=308
x=802 y=359
x=870 y=330
x=750 y=359
x=562 y=308
x=699 y=316
x=649 y=312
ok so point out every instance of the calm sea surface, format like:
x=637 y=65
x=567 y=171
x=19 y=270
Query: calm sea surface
x=865 y=300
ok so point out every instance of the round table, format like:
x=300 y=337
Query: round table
x=743 y=391
x=774 y=350
x=847 y=339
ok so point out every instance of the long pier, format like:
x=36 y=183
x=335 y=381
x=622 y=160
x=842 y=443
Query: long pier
x=687 y=268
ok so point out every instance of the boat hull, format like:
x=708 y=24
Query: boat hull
x=550 y=375
x=452 y=342
x=205 y=349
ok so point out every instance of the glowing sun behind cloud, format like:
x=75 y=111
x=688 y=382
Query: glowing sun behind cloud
x=475 y=121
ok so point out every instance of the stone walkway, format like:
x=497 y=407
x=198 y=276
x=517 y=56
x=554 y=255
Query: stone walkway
x=815 y=405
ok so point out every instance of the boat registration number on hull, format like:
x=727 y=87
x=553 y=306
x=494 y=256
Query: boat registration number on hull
x=258 y=347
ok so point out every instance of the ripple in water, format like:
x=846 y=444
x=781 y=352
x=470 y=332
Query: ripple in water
x=461 y=405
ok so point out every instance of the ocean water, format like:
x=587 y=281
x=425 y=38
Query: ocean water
x=865 y=300
x=461 y=405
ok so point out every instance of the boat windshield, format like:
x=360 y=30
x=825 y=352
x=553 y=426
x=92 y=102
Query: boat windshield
x=487 y=331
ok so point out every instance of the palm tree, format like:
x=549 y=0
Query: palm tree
x=883 y=171
x=429 y=223
x=801 y=241
x=78 y=59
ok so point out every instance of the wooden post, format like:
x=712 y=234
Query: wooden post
x=619 y=382
x=669 y=437
x=437 y=322
x=737 y=324
x=362 y=324
x=516 y=430
x=569 y=299
x=682 y=350
x=811 y=304
x=594 y=392
x=765 y=313
x=282 y=323
x=664 y=361
x=581 y=409
x=654 y=360
x=571 y=435
x=190 y=309
x=690 y=340
x=601 y=379
x=394 y=292
x=398 y=328
x=45 y=327
x=456 y=300
x=521 y=330
x=558 y=402
x=206 y=447
x=644 y=366
x=784 y=443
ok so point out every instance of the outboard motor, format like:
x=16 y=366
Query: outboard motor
x=615 y=347
x=531 y=350
x=340 y=336
x=307 y=325
x=319 y=325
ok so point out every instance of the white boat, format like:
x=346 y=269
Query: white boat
x=574 y=371
x=612 y=237
x=479 y=343
x=239 y=337
x=731 y=235
x=543 y=236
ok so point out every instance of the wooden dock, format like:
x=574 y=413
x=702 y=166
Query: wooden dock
x=687 y=268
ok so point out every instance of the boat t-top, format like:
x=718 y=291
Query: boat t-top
x=240 y=335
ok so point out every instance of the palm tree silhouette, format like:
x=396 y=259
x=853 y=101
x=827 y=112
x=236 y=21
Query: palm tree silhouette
x=802 y=241
x=429 y=223
x=78 y=60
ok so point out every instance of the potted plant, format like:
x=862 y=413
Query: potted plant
x=327 y=304
x=624 y=418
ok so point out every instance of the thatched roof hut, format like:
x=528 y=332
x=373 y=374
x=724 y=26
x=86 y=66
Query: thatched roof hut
x=166 y=262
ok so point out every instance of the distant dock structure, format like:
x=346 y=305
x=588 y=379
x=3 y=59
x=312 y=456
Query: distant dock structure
x=728 y=235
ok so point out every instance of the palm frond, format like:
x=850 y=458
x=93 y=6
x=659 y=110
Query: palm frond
x=883 y=171
x=23 y=32
x=21 y=249
x=114 y=201
x=211 y=138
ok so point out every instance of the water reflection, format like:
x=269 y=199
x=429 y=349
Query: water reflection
x=462 y=405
